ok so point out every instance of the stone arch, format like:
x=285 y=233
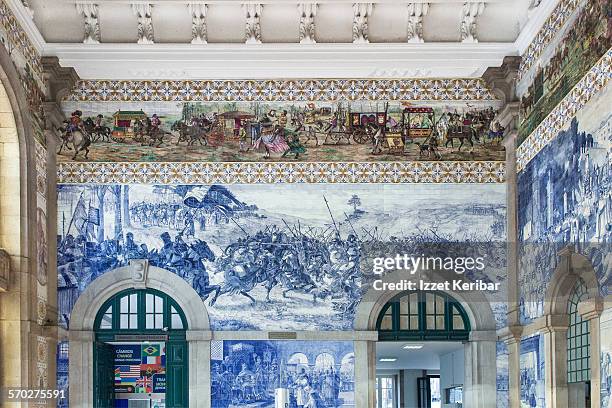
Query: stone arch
x=572 y=266
x=110 y=283
x=17 y=232
x=479 y=352
x=137 y=275
x=474 y=303
x=16 y=136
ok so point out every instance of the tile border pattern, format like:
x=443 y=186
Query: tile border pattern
x=19 y=39
x=431 y=89
x=551 y=26
x=592 y=83
x=281 y=172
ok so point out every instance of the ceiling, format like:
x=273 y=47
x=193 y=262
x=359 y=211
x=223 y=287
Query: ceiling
x=503 y=27
x=59 y=21
x=427 y=358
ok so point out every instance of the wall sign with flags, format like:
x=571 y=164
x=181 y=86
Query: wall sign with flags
x=140 y=368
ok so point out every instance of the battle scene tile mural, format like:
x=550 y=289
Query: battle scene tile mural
x=565 y=198
x=280 y=131
x=296 y=256
x=250 y=373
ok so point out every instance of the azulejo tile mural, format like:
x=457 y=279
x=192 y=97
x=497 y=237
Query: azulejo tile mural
x=297 y=373
x=270 y=173
x=606 y=358
x=565 y=198
x=532 y=368
x=297 y=257
x=289 y=128
x=589 y=86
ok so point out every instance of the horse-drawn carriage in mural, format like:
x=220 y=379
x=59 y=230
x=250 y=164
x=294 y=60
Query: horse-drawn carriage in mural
x=127 y=124
x=138 y=126
x=340 y=126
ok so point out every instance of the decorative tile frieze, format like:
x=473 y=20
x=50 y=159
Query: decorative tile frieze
x=592 y=83
x=552 y=25
x=289 y=172
x=469 y=89
x=16 y=38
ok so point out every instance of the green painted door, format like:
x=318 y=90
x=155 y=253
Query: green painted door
x=177 y=375
x=104 y=375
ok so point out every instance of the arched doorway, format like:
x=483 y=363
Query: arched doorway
x=420 y=355
x=130 y=306
x=140 y=352
x=477 y=341
x=573 y=305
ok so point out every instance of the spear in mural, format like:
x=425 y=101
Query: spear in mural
x=289 y=228
x=332 y=217
x=351 y=224
x=234 y=221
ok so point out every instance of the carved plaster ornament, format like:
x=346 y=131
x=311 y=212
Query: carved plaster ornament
x=361 y=11
x=416 y=12
x=91 y=22
x=143 y=12
x=308 y=11
x=199 y=32
x=469 y=15
x=252 y=26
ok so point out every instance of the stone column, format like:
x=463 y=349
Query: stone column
x=555 y=371
x=591 y=310
x=479 y=385
x=512 y=337
x=80 y=368
x=365 y=373
x=199 y=368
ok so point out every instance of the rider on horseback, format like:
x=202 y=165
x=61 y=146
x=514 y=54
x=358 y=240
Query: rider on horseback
x=98 y=123
x=155 y=123
x=76 y=122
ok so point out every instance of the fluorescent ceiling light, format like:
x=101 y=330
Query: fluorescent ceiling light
x=413 y=346
x=387 y=359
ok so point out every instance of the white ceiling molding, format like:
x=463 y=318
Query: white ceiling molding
x=92 y=25
x=307 y=11
x=437 y=57
x=361 y=12
x=252 y=28
x=469 y=26
x=198 y=22
x=144 y=12
x=416 y=11
x=237 y=61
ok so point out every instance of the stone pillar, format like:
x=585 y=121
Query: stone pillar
x=591 y=310
x=512 y=338
x=365 y=373
x=80 y=368
x=555 y=371
x=479 y=385
x=199 y=368
x=512 y=229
